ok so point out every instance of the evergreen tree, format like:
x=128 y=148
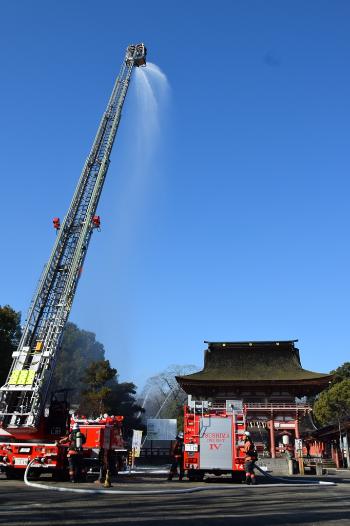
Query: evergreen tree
x=81 y=367
x=341 y=373
x=10 y=333
x=79 y=349
x=95 y=397
x=121 y=401
x=103 y=394
x=333 y=405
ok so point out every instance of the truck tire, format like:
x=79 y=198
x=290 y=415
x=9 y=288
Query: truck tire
x=14 y=474
x=60 y=475
x=238 y=476
x=195 y=475
x=34 y=473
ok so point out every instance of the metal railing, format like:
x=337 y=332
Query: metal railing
x=286 y=406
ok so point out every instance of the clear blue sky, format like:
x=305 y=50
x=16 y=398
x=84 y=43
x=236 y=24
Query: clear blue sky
x=243 y=230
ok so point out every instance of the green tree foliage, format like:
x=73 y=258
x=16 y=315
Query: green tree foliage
x=97 y=374
x=79 y=349
x=122 y=402
x=104 y=394
x=95 y=397
x=333 y=405
x=341 y=373
x=81 y=367
x=10 y=333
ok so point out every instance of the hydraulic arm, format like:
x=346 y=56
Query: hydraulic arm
x=24 y=395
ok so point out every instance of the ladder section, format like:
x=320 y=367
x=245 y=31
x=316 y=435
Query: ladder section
x=23 y=397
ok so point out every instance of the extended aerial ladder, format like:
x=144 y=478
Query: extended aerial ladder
x=24 y=396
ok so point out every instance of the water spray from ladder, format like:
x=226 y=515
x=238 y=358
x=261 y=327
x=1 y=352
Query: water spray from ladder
x=152 y=90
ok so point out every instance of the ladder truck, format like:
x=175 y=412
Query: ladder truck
x=29 y=428
x=213 y=438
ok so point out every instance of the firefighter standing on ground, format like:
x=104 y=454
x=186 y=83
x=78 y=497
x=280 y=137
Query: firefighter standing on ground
x=250 y=459
x=177 y=454
x=75 y=441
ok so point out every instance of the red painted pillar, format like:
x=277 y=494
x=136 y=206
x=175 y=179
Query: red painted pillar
x=336 y=457
x=297 y=434
x=272 y=439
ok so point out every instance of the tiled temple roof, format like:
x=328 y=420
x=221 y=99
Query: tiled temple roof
x=250 y=362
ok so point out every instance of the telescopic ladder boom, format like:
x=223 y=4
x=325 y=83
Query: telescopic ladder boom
x=24 y=395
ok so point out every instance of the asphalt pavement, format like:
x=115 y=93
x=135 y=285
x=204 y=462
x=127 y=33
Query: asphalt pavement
x=220 y=503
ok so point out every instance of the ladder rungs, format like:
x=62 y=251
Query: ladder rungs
x=17 y=388
x=15 y=414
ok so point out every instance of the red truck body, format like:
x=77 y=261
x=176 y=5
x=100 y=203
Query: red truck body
x=15 y=454
x=213 y=439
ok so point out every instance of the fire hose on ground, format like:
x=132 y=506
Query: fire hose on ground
x=290 y=481
x=169 y=491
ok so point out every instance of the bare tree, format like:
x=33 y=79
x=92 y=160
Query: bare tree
x=162 y=396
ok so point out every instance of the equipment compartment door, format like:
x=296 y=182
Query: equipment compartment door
x=215 y=443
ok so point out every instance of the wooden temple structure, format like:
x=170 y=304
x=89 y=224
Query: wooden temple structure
x=268 y=377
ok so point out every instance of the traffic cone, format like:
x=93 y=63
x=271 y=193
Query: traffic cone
x=107 y=483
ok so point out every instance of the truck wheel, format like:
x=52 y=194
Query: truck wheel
x=195 y=475
x=14 y=474
x=238 y=476
x=60 y=475
x=34 y=473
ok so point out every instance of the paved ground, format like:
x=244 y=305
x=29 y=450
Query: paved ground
x=265 y=504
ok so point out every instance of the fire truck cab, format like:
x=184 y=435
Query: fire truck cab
x=213 y=438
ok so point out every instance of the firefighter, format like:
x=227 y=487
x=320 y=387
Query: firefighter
x=250 y=459
x=107 y=461
x=75 y=441
x=177 y=454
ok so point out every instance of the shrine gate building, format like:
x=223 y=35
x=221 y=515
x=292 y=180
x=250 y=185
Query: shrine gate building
x=268 y=377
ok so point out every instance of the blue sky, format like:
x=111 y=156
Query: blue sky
x=239 y=230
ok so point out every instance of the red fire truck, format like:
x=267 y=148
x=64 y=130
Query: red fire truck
x=102 y=435
x=30 y=425
x=213 y=438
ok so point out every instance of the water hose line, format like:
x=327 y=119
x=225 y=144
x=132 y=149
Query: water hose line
x=155 y=491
